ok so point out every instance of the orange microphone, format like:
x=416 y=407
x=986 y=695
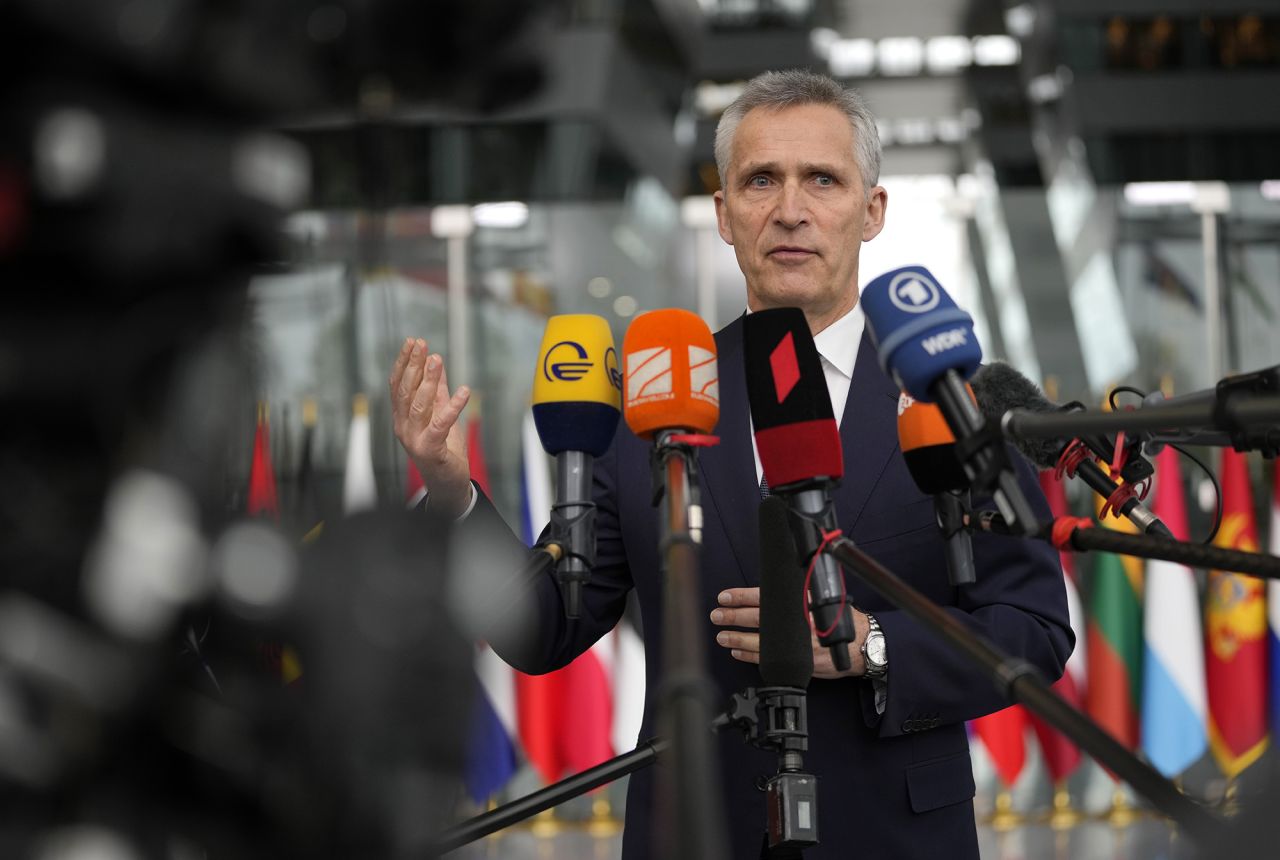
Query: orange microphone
x=670 y=377
x=929 y=447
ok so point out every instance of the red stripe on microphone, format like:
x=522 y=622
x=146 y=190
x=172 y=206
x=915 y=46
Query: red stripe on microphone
x=800 y=451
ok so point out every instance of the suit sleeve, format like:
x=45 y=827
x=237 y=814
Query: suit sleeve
x=531 y=632
x=1018 y=604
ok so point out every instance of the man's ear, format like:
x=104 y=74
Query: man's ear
x=877 y=203
x=722 y=217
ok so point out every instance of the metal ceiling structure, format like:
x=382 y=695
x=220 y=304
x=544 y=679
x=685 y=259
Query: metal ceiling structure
x=1025 y=92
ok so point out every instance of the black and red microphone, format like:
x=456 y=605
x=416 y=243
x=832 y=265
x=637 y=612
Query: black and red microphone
x=799 y=445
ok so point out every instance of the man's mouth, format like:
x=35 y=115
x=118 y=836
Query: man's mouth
x=792 y=253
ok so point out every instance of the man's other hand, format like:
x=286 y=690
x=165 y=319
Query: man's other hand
x=425 y=419
x=740 y=607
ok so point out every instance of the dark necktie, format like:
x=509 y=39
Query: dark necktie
x=764 y=488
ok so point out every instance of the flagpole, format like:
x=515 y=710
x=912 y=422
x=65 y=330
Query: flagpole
x=1211 y=200
x=1064 y=815
x=1005 y=817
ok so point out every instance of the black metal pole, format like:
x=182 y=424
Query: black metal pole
x=1022 y=683
x=690 y=822
x=1237 y=412
x=553 y=795
x=1086 y=539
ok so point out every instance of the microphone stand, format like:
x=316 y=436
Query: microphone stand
x=573 y=526
x=690 y=819
x=950 y=508
x=777 y=718
x=645 y=754
x=1021 y=682
x=1083 y=538
x=1250 y=421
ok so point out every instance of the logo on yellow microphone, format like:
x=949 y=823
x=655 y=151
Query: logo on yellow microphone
x=566 y=361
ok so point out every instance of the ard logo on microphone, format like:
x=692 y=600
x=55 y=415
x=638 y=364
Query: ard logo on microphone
x=914 y=293
x=567 y=362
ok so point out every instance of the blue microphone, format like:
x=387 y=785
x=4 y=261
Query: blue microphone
x=927 y=344
x=918 y=330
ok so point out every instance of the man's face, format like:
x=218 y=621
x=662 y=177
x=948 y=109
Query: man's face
x=796 y=211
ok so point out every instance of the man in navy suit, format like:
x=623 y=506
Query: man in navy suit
x=799 y=158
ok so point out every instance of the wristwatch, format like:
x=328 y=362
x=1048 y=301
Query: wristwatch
x=874 y=654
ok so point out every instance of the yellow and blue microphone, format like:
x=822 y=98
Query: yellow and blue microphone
x=577 y=389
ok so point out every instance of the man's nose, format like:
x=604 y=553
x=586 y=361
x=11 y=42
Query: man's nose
x=792 y=210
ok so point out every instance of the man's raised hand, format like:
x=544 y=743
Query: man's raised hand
x=425 y=419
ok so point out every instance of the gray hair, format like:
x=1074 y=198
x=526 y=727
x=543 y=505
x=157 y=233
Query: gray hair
x=776 y=90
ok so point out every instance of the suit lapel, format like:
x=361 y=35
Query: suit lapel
x=728 y=469
x=868 y=433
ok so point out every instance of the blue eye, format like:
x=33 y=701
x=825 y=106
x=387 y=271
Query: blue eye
x=825 y=180
x=758 y=181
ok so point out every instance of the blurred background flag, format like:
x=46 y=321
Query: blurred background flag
x=1173 y=686
x=476 y=459
x=491 y=756
x=1273 y=603
x=263 y=499
x=628 y=685
x=1061 y=756
x=1004 y=735
x=1235 y=634
x=1113 y=693
x=305 y=510
x=414 y=487
x=359 y=488
x=565 y=717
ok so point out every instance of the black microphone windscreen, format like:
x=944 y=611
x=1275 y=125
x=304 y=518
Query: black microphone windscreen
x=1000 y=388
x=786 y=653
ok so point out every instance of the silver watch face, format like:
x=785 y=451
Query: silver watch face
x=875 y=650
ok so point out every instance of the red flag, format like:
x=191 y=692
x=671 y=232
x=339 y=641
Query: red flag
x=475 y=456
x=565 y=717
x=414 y=488
x=1236 y=634
x=263 y=499
x=1003 y=734
x=1061 y=756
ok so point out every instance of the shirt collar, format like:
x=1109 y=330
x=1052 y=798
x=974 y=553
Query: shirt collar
x=838 y=343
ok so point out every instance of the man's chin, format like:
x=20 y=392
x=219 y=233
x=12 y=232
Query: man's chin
x=789 y=293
